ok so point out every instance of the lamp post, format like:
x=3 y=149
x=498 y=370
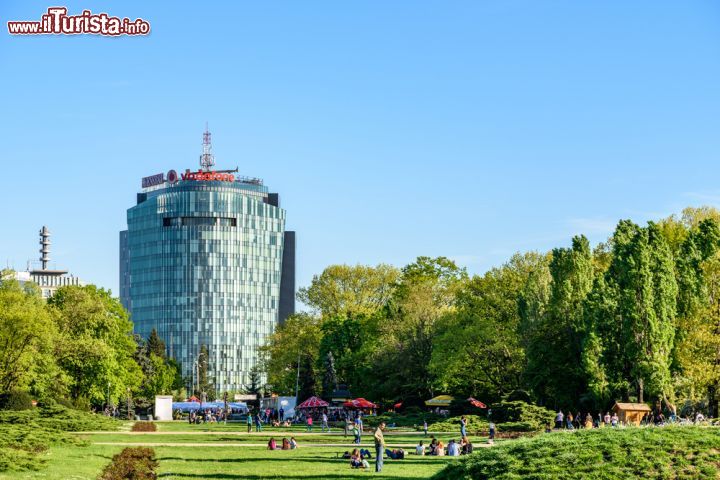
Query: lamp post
x=128 y=403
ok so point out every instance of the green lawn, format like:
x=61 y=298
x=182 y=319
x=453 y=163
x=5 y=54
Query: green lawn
x=84 y=463
x=263 y=438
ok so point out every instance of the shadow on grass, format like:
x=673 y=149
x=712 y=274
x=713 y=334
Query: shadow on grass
x=284 y=476
x=338 y=461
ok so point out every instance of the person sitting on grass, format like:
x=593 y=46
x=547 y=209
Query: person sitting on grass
x=466 y=446
x=275 y=423
x=433 y=445
x=420 y=449
x=293 y=443
x=395 y=454
x=285 y=444
x=272 y=445
x=440 y=449
x=453 y=449
x=355 y=459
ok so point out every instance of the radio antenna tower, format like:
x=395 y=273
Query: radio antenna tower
x=44 y=247
x=207 y=159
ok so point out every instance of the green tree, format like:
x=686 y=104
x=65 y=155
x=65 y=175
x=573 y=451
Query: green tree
x=639 y=326
x=295 y=341
x=346 y=291
x=477 y=350
x=425 y=293
x=159 y=375
x=156 y=344
x=205 y=384
x=94 y=344
x=554 y=349
x=26 y=335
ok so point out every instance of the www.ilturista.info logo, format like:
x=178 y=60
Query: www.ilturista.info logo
x=57 y=22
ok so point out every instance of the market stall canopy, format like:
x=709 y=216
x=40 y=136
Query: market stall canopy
x=439 y=401
x=476 y=403
x=313 y=402
x=359 y=403
x=192 y=406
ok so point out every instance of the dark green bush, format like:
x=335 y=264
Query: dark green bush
x=475 y=425
x=136 y=463
x=59 y=418
x=144 y=427
x=409 y=418
x=606 y=453
x=16 y=400
x=517 y=411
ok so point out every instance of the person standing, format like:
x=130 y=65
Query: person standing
x=559 y=419
x=258 y=423
x=282 y=414
x=249 y=422
x=324 y=423
x=309 y=423
x=379 y=446
x=491 y=433
x=463 y=426
x=359 y=423
x=425 y=427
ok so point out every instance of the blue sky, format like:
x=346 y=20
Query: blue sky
x=391 y=129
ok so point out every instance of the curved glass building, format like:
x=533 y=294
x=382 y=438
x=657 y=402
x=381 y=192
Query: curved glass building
x=206 y=260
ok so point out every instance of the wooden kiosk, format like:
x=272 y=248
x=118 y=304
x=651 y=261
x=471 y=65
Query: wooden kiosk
x=631 y=413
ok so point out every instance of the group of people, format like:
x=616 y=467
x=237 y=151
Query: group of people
x=207 y=416
x=286 y=444
x=571 y=422
x=437 y=448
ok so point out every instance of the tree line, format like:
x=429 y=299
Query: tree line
x=636 y=318
x=78 y=348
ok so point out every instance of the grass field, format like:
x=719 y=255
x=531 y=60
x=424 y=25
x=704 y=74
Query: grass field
x=84 y=463
x=228 y=452
x=216 y=451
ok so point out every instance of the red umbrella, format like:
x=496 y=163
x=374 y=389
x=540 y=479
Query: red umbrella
x=476 y=403
x=313 y=402
x=193 y=399
x=359 y=403
x=397 y=405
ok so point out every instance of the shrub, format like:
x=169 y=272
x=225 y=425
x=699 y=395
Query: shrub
x=144 y=427
x=409 y=418
x=517 y=411
x=58 y=418
x=137 y=463
x=606 y=453
x=475 y=425
x=16 y=400
x=21 y=444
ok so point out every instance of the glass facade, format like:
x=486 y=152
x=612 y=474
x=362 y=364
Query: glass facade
x=204 y=261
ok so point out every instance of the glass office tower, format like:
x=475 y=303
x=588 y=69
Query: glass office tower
x=202 y=262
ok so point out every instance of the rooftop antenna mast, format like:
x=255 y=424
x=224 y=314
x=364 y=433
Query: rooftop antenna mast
x=207 y=159
x=44 y=247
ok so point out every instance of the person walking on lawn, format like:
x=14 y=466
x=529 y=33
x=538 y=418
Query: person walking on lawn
x=379 y=447
x=249 y=422
x=324 y=423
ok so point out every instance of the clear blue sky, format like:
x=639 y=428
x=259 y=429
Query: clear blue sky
x=390 y=129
